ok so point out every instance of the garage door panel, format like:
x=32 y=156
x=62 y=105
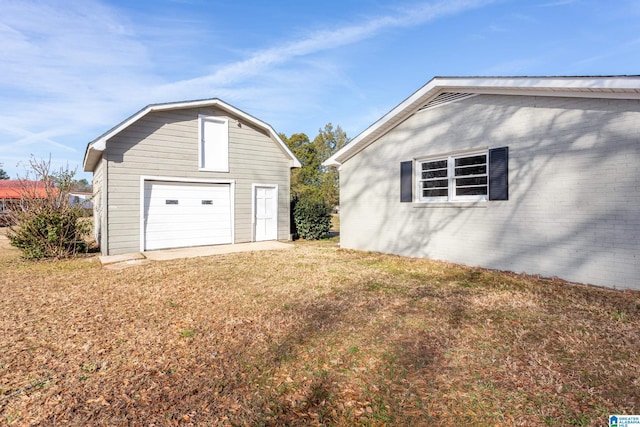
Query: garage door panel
x=196 y=214
x=187 y=217
x=158 y=231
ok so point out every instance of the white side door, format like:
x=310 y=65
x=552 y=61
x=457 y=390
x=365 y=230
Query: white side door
x=266 y=212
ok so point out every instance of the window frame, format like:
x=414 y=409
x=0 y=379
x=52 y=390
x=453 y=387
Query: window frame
x=451 y=196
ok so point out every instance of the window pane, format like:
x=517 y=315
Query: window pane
x=478 y=180
x=471 y=191
x=441 y=173
x=438 y=183
x=435 y=193
x=473 y=160
x=471 y=175
x=437 y=164
x=471 y=170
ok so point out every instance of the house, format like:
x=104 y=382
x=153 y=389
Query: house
x=188 y=174
x=18 y=189
x=81 y=198
x=14 y=191
x=527 y=174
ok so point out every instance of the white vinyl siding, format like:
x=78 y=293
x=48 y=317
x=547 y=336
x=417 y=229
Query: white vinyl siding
x=166 y=144
x=214 y=144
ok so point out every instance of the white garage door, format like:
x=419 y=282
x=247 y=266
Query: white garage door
x=186 y=214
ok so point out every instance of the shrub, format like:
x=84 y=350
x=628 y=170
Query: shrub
x=45 y=224
x=43 y=232
x=312 y=216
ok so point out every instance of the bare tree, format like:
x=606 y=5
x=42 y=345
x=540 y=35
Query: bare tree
x=45 y=224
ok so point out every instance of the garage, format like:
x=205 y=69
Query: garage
x=183 y=214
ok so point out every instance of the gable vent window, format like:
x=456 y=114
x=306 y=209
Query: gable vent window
x=468 y=177
x=445 y=98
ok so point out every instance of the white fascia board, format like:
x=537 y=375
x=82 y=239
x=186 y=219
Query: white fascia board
x=259 y=123
x=239 y=113
x=360 y=141
x=91 y=155
x=624 y=83
x=100 y=144
x=620 y=87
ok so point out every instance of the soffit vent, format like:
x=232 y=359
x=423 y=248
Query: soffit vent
x=445 y=98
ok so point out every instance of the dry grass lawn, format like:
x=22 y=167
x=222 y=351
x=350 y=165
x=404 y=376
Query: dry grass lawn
x=310 y=336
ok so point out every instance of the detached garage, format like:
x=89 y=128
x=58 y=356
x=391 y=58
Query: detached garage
x=187 y=174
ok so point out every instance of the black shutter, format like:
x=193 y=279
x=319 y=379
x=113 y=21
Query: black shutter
x=499 y=173
x=406 y=181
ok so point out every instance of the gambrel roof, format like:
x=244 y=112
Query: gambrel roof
x=97 y=146
x=440 y=90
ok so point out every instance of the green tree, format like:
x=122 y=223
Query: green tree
x=328 y=141
x=81 y=185
x=306 y=178
x=313 y=179
x=3 y=174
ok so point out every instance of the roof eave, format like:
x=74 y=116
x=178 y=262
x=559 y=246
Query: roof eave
x=611 y=87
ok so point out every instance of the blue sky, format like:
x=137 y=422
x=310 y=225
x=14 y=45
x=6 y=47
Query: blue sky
x=70 y=70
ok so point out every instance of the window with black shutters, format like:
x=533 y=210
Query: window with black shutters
x=453 y=178
x=473 y=176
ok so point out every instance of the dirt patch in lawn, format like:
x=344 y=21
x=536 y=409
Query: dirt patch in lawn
x=4 y=241
x=7 y=252
x=312 y=336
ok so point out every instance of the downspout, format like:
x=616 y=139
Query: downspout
x=105 y=206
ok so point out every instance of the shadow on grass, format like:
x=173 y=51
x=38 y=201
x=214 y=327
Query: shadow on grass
x=392 y=344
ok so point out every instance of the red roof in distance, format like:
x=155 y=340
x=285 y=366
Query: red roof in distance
x=19 y=189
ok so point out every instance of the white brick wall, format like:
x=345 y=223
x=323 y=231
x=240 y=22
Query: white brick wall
x=574 y=189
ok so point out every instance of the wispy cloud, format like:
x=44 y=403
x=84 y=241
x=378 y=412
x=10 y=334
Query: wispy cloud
x=273 y=81
x=70 y=72
x=623 y=49
x=512 y=67
x=557 y=3
x=324 y=40
x=60 y=67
